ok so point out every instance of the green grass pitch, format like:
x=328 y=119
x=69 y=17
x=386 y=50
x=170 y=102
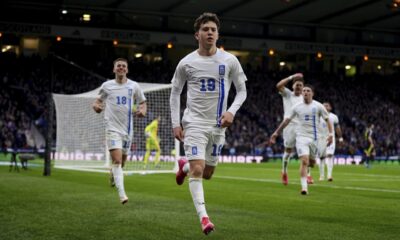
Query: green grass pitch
x=243 y=201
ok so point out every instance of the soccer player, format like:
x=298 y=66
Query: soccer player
x=152 y=141
x=117 y=97
x=369 y=151
x=290 y=98
x=308 y=114
x=208 y=73
x=327 y=152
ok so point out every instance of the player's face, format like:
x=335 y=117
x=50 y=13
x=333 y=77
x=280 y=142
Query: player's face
x=207 y=35
x=298 y=87
x=328 y=107
x=120 y=68
x=308 y=94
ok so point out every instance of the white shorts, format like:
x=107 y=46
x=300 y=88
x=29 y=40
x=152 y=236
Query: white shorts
x=322 y=146
x=330 y=150
x=289 y=136
x=204 y=144
x=118 y=141
x=306 y=146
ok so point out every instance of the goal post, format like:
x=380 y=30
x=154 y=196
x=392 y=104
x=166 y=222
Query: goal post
x=81 y=141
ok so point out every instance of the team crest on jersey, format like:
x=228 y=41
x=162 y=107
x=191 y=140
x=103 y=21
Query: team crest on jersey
x=130 y=92
x=222 y=70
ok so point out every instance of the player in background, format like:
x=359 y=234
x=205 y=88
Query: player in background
x=208 y=73
x=290 y=98
x=152 y=141
x=308 y=114
x=327 y=152
x=369 y=151
x=116 y=98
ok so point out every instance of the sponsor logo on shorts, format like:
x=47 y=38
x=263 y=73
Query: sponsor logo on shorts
x=194 y=150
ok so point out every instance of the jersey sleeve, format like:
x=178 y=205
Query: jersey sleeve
x=285 y=93
x=178 y=82
x=238 y=79
x=323 y=113
x=237 y=74
x=139 y=95
x=335 y=120
x=103 y=93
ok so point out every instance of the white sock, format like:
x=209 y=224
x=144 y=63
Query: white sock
x=329 y=164
x=303 y=181
x=186 y=167
x=196 y=189
x=322 y=168
x=119 y=179
x=285 y=161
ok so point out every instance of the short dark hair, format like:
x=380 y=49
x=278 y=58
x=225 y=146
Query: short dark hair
x=309 y=86
x=120 y=59
x=298 y=80
x=206 y=17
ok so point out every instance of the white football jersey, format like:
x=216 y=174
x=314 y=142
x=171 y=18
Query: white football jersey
x=308 y=116
x=119 y=100
x=209 y=79
x=289 y=100
x=333 y=120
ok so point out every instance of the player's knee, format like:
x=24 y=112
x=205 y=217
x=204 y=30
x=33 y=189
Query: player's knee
x=207 y=175
x=196 y=171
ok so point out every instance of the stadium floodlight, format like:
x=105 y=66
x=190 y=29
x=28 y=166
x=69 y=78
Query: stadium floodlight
x=81 y=139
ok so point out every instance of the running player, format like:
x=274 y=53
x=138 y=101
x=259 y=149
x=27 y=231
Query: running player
x=290 y=98
x=208 y=73
x=327 y=152
x=117 y=97
x=308 y=114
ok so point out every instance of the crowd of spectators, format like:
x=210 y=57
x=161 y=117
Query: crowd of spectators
x=25 y=81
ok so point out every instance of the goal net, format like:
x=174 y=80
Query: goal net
x=81 y=142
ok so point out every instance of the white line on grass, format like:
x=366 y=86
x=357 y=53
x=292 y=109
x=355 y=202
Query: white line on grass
x=315 y=185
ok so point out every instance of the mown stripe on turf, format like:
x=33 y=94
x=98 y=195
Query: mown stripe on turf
x=314 y=185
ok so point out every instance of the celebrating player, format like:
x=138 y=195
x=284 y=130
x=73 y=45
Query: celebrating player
x=308 y=114
x=152 y=141
x=290 y=98
x=209 y=73
x=327 y=152
x=117 y=97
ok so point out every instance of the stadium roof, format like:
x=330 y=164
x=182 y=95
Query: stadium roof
x=254 y=18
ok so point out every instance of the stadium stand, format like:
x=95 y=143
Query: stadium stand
x=357 y=100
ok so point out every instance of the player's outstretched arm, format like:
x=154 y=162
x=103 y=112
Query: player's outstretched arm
x=98 y=105
x=283 y=124
x=142 y=109
x=282 y=83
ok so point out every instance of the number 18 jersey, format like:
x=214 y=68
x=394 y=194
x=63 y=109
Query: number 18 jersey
x=119 y=100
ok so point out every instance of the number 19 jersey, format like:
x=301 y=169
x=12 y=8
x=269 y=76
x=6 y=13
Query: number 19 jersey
x=209 y=79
